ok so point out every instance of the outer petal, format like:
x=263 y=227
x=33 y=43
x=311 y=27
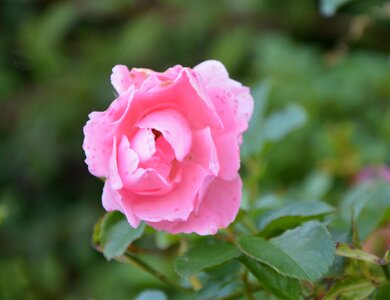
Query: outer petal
x=173 y=127
x=233 y=101
x=112 y=201
x=181 y=95
x=96 y=150
x=245 y=103
x=113 y=174
x=234 y=109
x=213 y=72
x=177 y=204
x=228 y=155
x=203 y=150
x=99 y=132
x=122 y=78
x=217 y=210
x=128 y=211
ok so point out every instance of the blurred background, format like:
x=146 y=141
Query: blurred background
x=55 y=61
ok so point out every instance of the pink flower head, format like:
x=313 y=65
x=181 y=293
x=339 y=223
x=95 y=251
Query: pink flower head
x=168 y=147
x=369 y=173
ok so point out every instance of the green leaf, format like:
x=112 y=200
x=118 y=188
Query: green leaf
x=217 y=289
x=345 y=250
x=203 y=256
x=305 y=252
x=316 y=185
x=284 y=288
x=274 y=127
x=382 y=293
x=370 y=203
x=282 y=122
x=97 y=232
x=329 y=7
x=116 y=234
x=220 y=281
x=351 y=288
x=355 y=238
x=165 y=240
x=151 y=295
x=292 y=215
x=311 y=246
x=267 y=253
x=386 y=257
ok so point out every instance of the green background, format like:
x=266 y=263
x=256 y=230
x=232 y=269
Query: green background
x=55 y=61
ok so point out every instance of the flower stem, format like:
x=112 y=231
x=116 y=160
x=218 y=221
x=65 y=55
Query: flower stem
x=248 y=223
x=128 y=258
x=248 y=290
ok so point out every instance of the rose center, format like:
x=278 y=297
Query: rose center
x=156 y=133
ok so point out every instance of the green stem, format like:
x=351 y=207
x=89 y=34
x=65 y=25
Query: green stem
x=247 y=222
x=248 y=290
x=145 y=267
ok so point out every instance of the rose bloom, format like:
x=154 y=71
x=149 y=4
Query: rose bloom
x=168 y=147
x=369 y=173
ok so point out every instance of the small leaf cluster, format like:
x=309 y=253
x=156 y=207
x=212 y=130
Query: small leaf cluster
x=293 y=252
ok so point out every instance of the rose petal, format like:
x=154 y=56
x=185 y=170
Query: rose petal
x=211 y=216
x=127 y=161
x=112 y=201
x=113 y=172
x=245 y=103
x=177 y=204
x=173 y=127
x=203 y=150
x=181 y=95
x=131 y=218
x=164 y=150
x=147 y=182
x=233 y=101
x=122 y=78
x=99 y=132
x=143 y=143
x=138 y=180
x=213 y=72
x=228 y=153
x=97 y=153
x=228 y=108
x=202 y=191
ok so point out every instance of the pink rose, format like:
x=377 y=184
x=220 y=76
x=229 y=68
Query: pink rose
x=168 y=147
x=369 y=173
